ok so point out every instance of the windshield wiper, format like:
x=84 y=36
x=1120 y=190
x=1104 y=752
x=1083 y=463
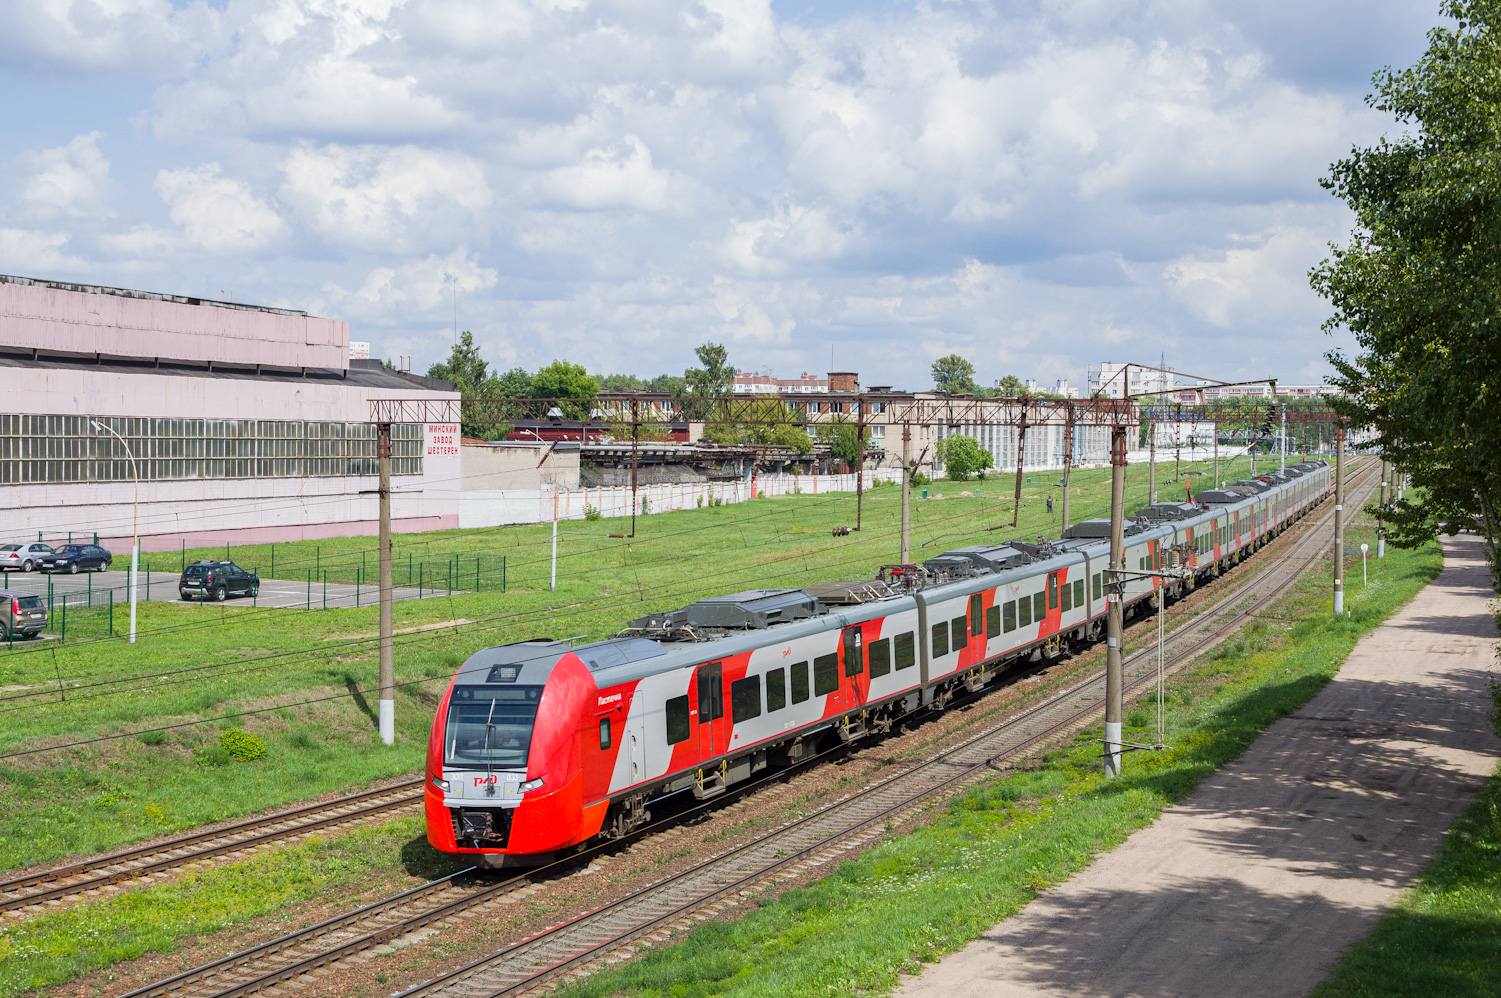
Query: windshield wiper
x=489 y=763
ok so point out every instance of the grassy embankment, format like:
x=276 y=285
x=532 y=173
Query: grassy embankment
x=916 y=897
x=310 y=674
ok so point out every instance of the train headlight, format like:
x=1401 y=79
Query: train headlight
x=440 y=784
x=530 y=785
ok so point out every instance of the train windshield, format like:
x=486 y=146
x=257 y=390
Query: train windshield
x=490 y=727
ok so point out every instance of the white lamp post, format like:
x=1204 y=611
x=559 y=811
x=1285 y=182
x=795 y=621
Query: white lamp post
x=1364 y=577
x=135 y=537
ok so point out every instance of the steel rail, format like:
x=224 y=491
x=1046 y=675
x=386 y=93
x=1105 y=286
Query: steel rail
x=532 y=962
x=96 y=872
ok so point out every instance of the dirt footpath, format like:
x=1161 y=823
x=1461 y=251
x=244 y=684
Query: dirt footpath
x=1259 y=880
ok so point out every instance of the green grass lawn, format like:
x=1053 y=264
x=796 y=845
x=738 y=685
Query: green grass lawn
x=303 y=680
x=918 y=896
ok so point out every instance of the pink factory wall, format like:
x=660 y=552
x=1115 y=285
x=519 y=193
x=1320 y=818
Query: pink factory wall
x=51 y=319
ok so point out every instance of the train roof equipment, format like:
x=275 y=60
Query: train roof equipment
x=1168 y=511
x=979 y=559
x=1098 y=529
x=712 y=617
x=851 y=593
x=1220 y=497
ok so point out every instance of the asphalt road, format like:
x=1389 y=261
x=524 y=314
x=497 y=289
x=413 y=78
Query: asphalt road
x=162 y=587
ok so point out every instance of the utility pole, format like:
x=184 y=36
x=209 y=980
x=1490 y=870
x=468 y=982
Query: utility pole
x=1217 y=482
x=1284 y=430
x=635 y=458
x=1021 y=449
x=1339 y=520
x=860 y=460
x=1114 y=585
x=1068 y=458
x=1151 y=463
x=906 y=488
x=1381 y=514
x=387 y=651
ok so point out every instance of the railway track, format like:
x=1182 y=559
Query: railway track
x=53 y=886
x=648 y=914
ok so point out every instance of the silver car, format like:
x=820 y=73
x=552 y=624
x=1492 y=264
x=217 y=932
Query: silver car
x=24 y=557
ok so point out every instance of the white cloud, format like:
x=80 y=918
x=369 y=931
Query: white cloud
x=68 y=180
x=421 y=284
x=616 y=176
x=154 y=38
x=356 y=196
x=218 y=213
x=33 y=252
x=793 y=235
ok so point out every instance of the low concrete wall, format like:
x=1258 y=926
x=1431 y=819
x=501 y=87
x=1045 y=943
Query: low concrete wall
x=508 y=465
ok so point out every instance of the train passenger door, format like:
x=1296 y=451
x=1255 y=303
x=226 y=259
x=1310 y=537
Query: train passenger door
x=852 y=644
x=710 y=710
x=635 y=744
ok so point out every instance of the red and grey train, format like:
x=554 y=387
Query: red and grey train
x=538 y=746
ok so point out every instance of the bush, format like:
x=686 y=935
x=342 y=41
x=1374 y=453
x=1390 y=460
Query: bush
x=243 y=745
x=212 y=755
x=153 y=737
x=592 y=513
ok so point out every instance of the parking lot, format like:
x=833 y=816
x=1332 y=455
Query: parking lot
x=95 y=588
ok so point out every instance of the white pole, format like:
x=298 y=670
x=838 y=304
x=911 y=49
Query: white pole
x=555 y=540
x=135 y=533
x=1364 y=577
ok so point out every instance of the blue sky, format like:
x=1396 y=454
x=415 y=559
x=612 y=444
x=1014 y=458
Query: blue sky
x=1037 y=186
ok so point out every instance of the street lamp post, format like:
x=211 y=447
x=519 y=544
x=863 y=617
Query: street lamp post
x=135 y=537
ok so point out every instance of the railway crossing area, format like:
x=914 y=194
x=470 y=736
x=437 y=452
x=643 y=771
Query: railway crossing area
x=1260 y=879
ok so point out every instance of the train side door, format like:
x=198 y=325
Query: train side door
x=852 y=644
x=710 y=710
x=635 y=744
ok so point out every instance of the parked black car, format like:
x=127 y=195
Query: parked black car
x=74 y=558
x=216 y=580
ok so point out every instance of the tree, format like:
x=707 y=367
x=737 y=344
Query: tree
x=471 y=379
x=843 y=440
x=769 y=422
x=716 y=378
x=562 y=380
x=1416 y=284
x=669 y=384
x=962 y=456
x=953 y=375
x=514 y=384
x=1010 y=387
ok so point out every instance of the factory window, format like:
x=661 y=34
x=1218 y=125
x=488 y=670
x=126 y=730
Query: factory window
x=745 y=698
x=800 y=682
x=1008 y=615
x=880 y=658
x=776 y=690
x=906 y=650
x=940 y=639
x=825 y=675
x=604 y=732
x=678 y=727
x=43 y=449
x=993 y=621
x=1024 y=611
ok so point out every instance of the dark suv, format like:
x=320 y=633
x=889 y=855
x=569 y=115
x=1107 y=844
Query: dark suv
x=21 y=614
x=216 y=580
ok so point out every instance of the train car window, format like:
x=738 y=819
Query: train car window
x=976 y=616
x=1097 y=586
x=906 y=651
x=604 y=732
x=880 y=657
x=940 y=639
x=776 y=690
x=1039 y=607
x=1024 y=611
x=1008 y=615
x=800 y=682
x=745 y=698
x=678 y=727
x=1052 y=590
x=854 y=652
x=1078 y=592
x=825 y=675
x=957 y=636
x=710 y=692
x=993 y=621
x=1066 y=598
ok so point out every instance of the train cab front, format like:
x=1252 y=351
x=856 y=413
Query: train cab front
x=504 y=781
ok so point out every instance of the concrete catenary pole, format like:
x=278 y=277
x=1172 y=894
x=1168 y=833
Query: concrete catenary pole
x=1114 y=584
x=1068 y=459
x=1339 y=520
x=1381 y=514
x=1021 y=450
x=1284 y=430
x=1151 y=463
x=906 y=489
x=859 y=461
x=387 y=650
